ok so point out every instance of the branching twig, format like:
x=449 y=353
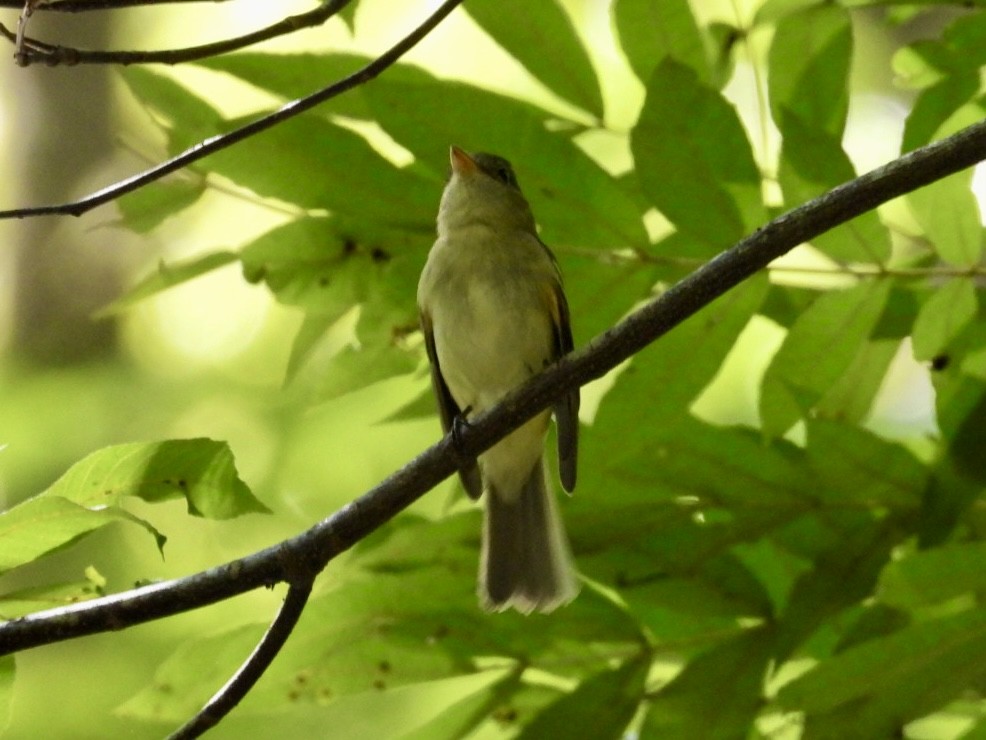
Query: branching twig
x=222 y=141
x=267 y=649
x=31 y=50
x=314 y=548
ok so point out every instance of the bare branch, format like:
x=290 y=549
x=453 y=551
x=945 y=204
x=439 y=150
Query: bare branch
x=267 y=649
x=30 y=50
x=310 y=552
x=222 y=141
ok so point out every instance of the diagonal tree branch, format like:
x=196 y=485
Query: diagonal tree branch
x=267 y=649
x=222 y=141
x=313 y=549
x=31 y=50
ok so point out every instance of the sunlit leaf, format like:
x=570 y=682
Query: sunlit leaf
x=946 y=312
x=808 y=67
x=812 y=163
x=947 y=210
x=201 y=471
x=46 y=524
x=819 y=347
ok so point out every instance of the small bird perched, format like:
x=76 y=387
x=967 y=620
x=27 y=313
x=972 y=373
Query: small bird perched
x=493 y=314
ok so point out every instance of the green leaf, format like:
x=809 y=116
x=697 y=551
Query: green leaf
x=960 y=402
x=843 y=576
x=880 y=685
x=26 y=600
x=812 y=163
x=458 y=720
x=147 y=207
x=943 y=316
x=576 y=202
x=348 y=15
x=850 y=466
x=542 y=38
x=313 y=264
x=650 y=31
x=772 y=11
x=947 y=210
x=379 y=631
x=291 y=76
x=819 y=348
x=808 y=67
x=46 y=524
x=851 y=397
x=200 y=470
x=732 y=672
x=935 y=105
x=601 y=707
x=167 y=276
x=354 y=182
x=693 y=159
x=7 y=674
x=188 y=118
x=932 y=576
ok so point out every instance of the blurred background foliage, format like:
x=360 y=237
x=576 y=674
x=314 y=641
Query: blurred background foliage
x=778 y=514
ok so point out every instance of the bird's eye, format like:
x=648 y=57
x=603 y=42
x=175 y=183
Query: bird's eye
x=504 y=175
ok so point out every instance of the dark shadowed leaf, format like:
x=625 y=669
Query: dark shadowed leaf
x=650 y=31
x=542 y=38
x=879 y=685
x=600 y=708
x=693 y=158
x=733 y=672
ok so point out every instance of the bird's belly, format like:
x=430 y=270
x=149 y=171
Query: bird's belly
x=491 y=340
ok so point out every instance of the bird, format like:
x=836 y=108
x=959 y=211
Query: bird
x=493 y=313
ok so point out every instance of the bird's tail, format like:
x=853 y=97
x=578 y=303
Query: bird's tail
x=526 y=562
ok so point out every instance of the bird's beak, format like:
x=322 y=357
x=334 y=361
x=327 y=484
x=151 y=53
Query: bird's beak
x=462 y=163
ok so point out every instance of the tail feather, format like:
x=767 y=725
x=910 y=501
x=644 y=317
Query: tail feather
x=526 y=560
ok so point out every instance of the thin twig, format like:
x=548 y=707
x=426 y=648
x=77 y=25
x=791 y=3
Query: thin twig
x=314 y=548
x=33 y=50
x=19 y=39
x=222 y=141
x=253 y=668
x=77 y=6
x=861 y=270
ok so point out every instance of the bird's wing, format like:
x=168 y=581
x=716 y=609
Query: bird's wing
x=448 y=410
